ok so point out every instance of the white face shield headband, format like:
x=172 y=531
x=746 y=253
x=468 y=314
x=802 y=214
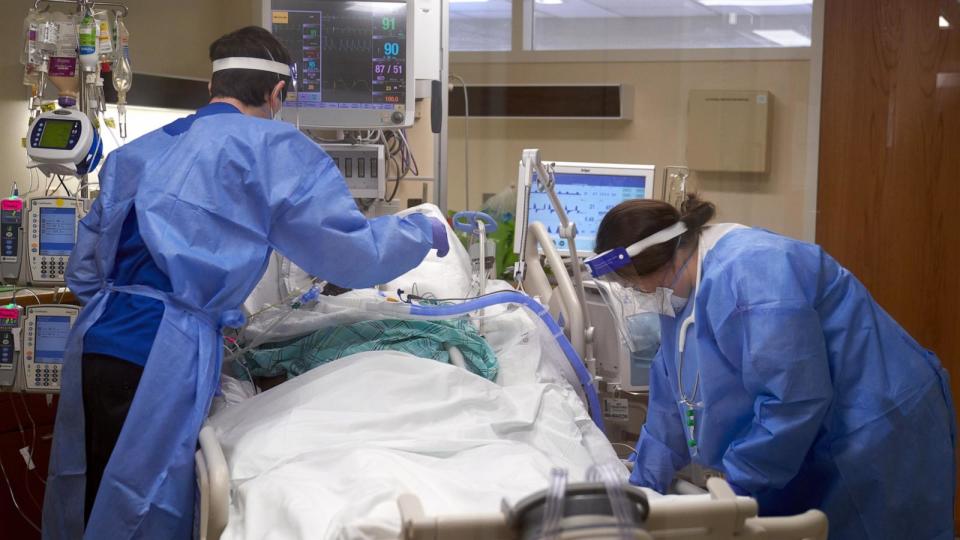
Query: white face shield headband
x=259 y=64
x=608 y=262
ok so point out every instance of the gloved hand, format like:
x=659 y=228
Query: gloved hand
x=440 y=242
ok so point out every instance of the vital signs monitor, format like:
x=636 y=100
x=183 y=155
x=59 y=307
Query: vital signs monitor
x=588 y=191
x=352 y=59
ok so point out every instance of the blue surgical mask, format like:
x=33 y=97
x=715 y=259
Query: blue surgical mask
x=671 y=304
x=643 y=335
x=679 y=303
x=644 y=342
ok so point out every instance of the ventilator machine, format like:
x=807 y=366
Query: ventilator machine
x=559 y=208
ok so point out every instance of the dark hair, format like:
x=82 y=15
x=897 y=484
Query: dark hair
x=632 y=221
x=250 y=86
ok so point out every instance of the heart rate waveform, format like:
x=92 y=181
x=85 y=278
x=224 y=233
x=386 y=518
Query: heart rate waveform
x=359 y=84
x=585 y=205
x=348 y=45
x=549 y=208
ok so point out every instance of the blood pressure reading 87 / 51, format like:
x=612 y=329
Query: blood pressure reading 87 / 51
x=388 y=69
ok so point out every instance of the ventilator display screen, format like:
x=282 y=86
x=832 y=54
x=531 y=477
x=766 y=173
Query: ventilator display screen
x=348 y=55
x=52 y=333
x=56 y=134
x=586 y=199
x=57 y=231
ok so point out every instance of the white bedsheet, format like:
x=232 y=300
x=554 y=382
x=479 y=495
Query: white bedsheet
x=327 y=454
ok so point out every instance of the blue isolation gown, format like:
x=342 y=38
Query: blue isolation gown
x=214 y=194
x=812 y=395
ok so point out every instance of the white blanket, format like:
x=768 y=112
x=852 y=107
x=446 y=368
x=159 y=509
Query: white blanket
x=327 y=454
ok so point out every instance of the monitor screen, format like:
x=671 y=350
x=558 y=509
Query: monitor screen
x=348 y=54
x=586 y=198
x=57 y=231
x=52 y=333
x=56 y=134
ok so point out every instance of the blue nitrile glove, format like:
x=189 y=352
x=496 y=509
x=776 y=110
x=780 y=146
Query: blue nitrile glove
x=440 y=242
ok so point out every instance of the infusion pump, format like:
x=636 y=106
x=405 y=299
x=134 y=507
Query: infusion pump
x=11 y=318
x=38 y=238
x=33 y=344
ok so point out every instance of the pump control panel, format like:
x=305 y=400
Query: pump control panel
x=51 y=233
x=46 y=329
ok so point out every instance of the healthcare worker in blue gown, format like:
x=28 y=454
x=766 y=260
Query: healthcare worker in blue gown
x=792 y=381
x=186 y=220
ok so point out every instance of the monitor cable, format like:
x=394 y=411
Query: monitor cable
x=466 y=140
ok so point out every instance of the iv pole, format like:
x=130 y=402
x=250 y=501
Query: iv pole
x=84 y=4
x=88 y=79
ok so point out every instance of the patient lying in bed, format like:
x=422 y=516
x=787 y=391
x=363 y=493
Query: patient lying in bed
x=327 y=453
x=288 y=346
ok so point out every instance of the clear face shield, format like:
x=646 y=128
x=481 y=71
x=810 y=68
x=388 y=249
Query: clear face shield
x=636 y=314
x=293 y=94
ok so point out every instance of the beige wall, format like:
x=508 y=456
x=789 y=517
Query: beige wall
x=13 y=99
x=171 y=37
x=655 y=135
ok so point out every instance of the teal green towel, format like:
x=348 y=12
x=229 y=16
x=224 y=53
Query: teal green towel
x=425 y=339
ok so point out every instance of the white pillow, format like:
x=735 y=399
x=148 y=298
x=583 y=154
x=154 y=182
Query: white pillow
x=281 y=279
x=447 y=277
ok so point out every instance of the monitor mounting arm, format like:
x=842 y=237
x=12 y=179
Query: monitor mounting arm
x=546 y=182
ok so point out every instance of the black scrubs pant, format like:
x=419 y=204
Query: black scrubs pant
x=109 y=385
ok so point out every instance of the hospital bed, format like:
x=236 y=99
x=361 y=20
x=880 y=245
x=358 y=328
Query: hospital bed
x=386 y=445
x=719 y=514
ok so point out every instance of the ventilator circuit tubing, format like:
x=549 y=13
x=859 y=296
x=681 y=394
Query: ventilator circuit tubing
x=469 y=306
